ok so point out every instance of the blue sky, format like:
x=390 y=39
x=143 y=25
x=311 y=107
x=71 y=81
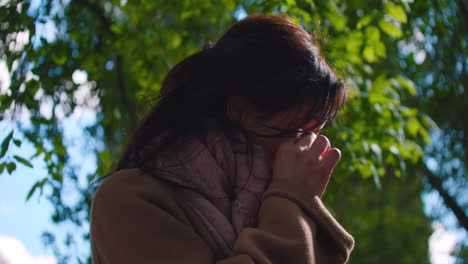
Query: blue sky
x=25 y=221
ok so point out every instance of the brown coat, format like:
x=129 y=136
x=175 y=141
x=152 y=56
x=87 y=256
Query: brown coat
x=136 y=218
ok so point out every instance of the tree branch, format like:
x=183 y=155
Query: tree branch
x=463 y=7
x=124 y=94
x=98 y=11
x=449 y=201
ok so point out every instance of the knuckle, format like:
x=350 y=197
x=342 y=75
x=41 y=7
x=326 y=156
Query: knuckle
x=313 y=136
x=338 y=152
x=324 y=139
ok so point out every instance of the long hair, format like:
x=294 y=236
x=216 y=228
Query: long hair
x=273 y=63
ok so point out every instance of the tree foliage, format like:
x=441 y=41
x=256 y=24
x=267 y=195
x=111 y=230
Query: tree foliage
x=405 y=63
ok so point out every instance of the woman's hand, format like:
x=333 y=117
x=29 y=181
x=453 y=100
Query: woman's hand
x=308 y=160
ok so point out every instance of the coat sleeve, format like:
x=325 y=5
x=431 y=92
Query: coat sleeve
x=293 y=228
x=129 y=225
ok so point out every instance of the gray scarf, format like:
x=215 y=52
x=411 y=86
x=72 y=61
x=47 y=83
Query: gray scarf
x=224 y=186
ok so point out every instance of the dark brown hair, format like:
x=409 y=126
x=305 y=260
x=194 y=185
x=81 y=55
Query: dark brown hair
x=270 y=61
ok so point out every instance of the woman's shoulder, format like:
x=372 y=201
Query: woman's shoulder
x=129 y=188
x=136 y=217
x=129 y=181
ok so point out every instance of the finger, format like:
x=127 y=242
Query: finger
x=305 y=141
x=319 y=146
x=331 y=159
x=325 y=152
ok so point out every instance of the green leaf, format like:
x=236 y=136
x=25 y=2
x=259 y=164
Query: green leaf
x=17 y=142
x=425 y=134
x=175 y=41
x=369 y=54
x=47 y=156
x=364 y=21
x=31 y=191
x=2 y=167
x=403 y=168
x=23 y=161
x=407 y=84
x=39 y=151
x=60 y=150
x=380 y=49
x=43 y=181
x=58 y=58
x=396 y=11
x=57 y=177
x=11 y=167
x=413 y=126
x=40 y=121
x=375 y=176
x=372 y=34
x=116 y=28
x=339 y=22
x=390 y=29
x=353 y=42
x=5 y=144
x=377 y=150
x=429 y=123
x=38 y=184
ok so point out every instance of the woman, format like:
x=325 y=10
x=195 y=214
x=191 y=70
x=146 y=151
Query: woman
x=227 y=167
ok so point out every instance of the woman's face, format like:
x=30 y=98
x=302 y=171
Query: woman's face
x=242 y=111
x=271 y=144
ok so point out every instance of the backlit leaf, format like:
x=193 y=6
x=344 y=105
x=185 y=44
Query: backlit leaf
x=390 y=29
x=23 y=161
x=396 y=11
